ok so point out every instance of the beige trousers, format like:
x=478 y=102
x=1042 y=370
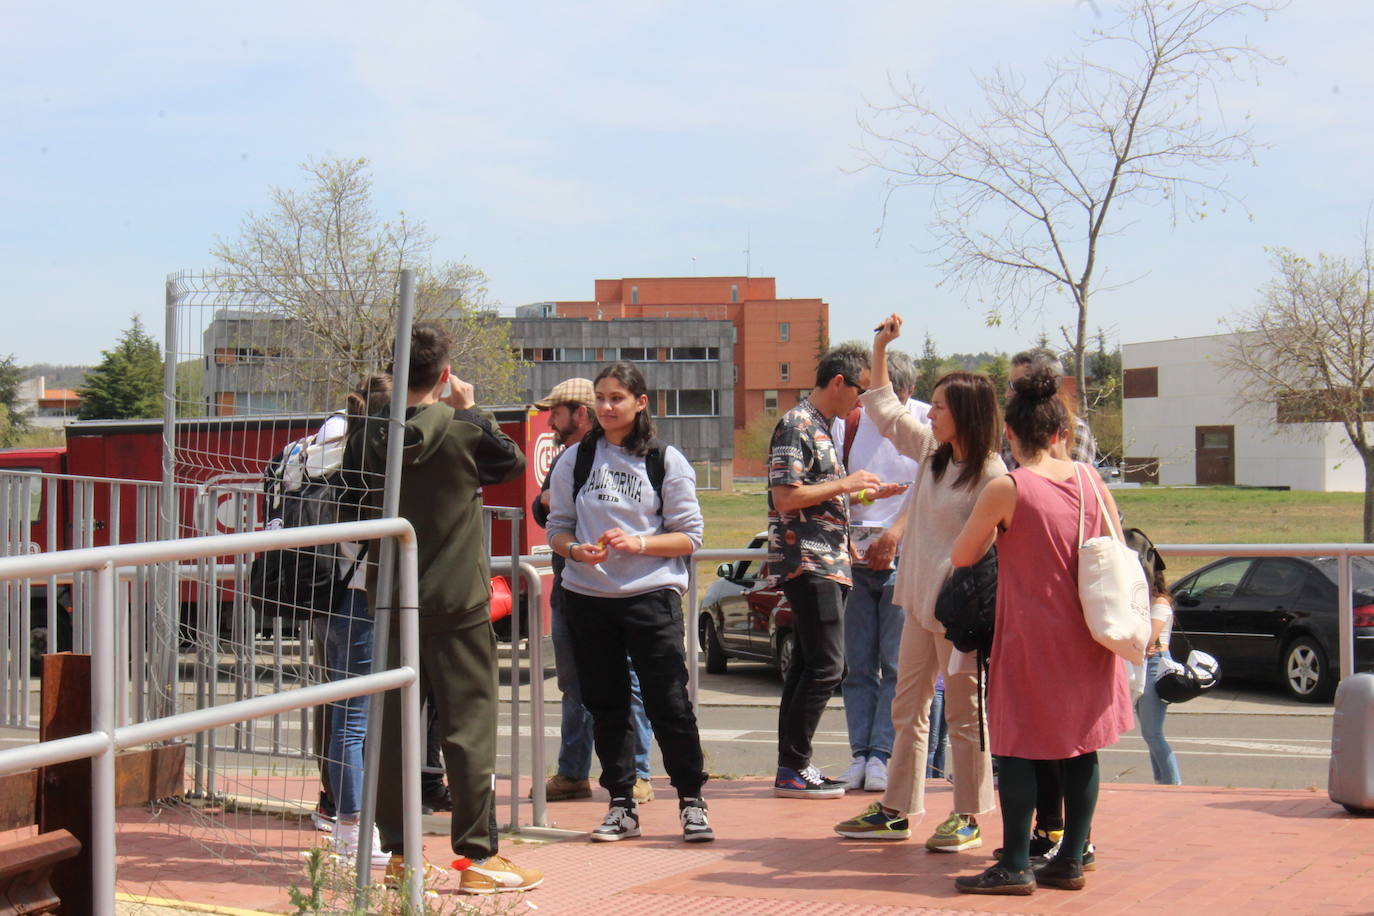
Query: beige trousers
x=924 y=655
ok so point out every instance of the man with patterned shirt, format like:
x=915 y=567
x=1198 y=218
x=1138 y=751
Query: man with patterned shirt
x=808 y=554
x=1084 y=446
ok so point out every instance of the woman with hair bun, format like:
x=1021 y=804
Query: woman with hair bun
x=1054 y=693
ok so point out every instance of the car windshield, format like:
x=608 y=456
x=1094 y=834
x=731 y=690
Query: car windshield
x=1361 y=575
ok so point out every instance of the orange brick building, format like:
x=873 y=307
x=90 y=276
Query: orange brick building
x=777 y=341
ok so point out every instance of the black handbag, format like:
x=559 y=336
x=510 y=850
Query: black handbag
x=967 y=608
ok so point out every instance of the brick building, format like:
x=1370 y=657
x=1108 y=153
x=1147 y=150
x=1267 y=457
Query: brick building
x=776 y=341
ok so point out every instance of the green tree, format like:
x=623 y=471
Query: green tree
x=1025 y=190
x=330 y=267
x=998 y=368
x=930 y=366
x=127 y=384
x=13 y=422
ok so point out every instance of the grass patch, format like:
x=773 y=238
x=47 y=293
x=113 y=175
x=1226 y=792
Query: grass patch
x=1169 y=515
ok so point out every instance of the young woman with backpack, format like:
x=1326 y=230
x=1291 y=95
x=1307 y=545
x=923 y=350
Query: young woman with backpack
x=627 y=520
x=957 y=450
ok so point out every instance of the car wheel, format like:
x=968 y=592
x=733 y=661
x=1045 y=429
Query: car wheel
x=1358 y=812
x=1306 y=672
x=786 y=651
x=710 y=643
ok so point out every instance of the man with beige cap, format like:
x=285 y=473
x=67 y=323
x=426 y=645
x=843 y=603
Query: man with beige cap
x=571 y=416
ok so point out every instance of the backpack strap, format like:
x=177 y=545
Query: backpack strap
x=851 y=429
x=582 y=468
x=654 y=464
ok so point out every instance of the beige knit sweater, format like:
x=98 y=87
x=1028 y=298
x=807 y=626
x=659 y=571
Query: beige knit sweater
x=936 y=512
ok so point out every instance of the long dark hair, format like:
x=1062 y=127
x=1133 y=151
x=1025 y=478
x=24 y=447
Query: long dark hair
x=370 y=398
x=637 y=440
x=1034 y=411
x=972 y=402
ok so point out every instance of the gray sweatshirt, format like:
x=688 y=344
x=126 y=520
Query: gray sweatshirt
x=618 y=494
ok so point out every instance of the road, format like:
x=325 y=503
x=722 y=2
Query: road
x=1243 y=734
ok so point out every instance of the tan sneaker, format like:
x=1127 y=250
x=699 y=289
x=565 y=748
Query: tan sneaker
x=496 y=875
x=643 y=791
x=560 y=787
x=396 y=869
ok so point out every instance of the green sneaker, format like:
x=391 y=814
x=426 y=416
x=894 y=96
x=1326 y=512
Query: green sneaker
x=956 y=833
x=874 y=824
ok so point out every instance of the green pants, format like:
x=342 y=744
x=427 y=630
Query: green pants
x=458 y=667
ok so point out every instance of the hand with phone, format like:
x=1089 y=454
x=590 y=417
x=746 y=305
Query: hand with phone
x=457 y=394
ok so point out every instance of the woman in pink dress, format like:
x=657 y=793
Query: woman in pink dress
x=1053 y=692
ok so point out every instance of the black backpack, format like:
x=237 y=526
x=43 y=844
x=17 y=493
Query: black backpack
x=653 y=464
x=295 y=582
x=967 y=607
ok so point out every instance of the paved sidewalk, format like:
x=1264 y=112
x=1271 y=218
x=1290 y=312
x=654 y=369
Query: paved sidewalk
x=1160 y=849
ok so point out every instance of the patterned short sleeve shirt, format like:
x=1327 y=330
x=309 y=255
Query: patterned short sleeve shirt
x=814 y=539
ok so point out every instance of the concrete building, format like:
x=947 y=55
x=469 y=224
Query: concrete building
x=776 y=341
x=685 y=361
x=1184 y=423
x=47 y=407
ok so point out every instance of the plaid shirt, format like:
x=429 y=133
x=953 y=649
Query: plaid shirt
x=1084 y=446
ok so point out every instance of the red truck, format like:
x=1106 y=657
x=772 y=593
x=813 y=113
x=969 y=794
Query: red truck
x=121 y=460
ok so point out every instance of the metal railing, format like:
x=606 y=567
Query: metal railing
x=107 y=736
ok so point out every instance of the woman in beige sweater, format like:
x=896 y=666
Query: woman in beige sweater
x=958 y=454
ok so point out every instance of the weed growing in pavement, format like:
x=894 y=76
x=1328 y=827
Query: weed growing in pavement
x=329 y=891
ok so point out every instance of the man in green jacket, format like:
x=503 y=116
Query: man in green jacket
x=451 y=450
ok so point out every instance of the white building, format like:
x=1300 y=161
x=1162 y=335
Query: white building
x=1184 y=423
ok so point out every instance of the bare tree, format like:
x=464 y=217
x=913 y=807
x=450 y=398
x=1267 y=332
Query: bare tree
x=329 y=269
x=1306 y=351
x=1024 y=192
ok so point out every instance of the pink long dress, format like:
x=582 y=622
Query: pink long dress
x=1053 y=692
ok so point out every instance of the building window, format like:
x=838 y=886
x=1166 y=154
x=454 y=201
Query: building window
x=784 y=331
x=734 y=292
x=577 y=355
x=785 y=372
x=734 y=334
x=691 y=402
x=538 y=354
x=1140 y=383
x=770 y=399
x=640 y=354
x=693 y=354
x=734 y=373
x=634 y=295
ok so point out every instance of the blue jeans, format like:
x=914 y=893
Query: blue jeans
x=348 y=651
x=1150 y=709
x=575 y=746
x=872 y=635
x=939 y=736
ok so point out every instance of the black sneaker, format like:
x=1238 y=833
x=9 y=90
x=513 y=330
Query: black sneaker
x=1043 y=846
x=439 y=800
x=695 y=828
x=622 y=821
x=1061 y=872
x=998 y=880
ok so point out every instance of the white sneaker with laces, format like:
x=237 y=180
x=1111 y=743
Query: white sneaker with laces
x=875 y=775
x=854 y=776
x=345 y=844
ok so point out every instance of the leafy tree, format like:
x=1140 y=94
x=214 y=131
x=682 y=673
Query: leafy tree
x=127 y=384
x=930 y=367
x=1024 y=192
x=13 y=422
x=1308 y=347
x=997 y=368
x=330 y=268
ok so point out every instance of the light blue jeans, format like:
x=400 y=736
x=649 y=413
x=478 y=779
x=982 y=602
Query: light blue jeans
x=348 y=651
x=872 y=635
x=1150 y=709
x=939 y=737
x=575 y=747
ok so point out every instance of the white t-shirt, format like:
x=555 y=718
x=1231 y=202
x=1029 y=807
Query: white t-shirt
x=872 y=451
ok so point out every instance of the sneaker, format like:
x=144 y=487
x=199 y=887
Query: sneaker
x=997 y=880
x=345 y=845
x=496 y=875
x=324 y=823
x=808 y=783
x=1061 y=872
x=622 y=821
x=1090 y=857
x=1043 y=846
x=439 y=800
x=875 y=775
x=874 y=824
x=956 y=833
x=695 y=827
x=396 y=869
x=560 y=787
x=854 y=776
x=643 y=791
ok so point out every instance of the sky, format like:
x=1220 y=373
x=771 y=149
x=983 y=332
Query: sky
x=552 y=144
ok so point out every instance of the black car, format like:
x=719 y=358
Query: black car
x=1267 y=616
x=745 y=617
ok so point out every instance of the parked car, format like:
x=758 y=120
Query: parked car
x=1275 y=616
x=744 y=617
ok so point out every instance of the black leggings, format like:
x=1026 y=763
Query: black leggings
x=1016 y=790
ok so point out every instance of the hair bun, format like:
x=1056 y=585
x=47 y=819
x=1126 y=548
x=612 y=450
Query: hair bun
x=1039 y=384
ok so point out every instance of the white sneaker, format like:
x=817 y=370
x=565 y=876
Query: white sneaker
x=345 y=844
x=854 y=776
x=875 y=775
